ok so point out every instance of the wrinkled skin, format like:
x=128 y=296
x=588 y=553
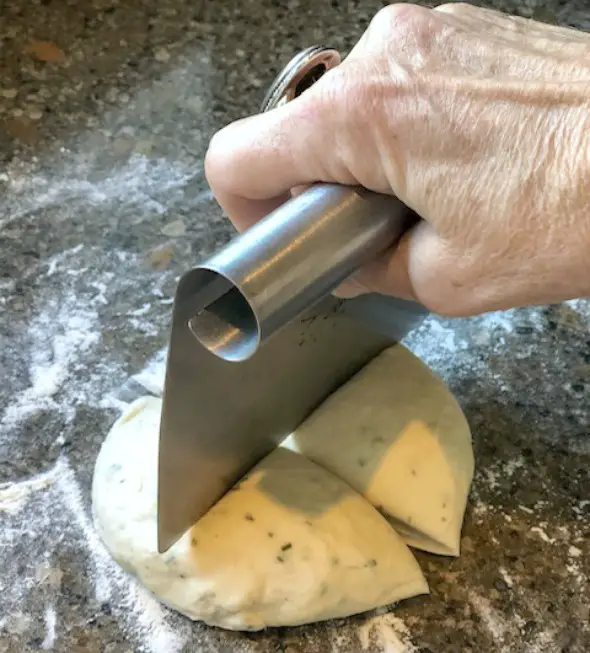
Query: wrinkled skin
x=478 y=121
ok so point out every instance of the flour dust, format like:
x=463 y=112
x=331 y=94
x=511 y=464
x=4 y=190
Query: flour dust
x=387 y=634
x=59 y=363
x=57 y=505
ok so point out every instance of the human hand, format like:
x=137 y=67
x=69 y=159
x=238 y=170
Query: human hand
x=478 y=121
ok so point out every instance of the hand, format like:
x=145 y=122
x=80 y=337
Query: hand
x=478 y=121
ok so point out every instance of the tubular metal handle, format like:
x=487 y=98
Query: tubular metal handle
x=269 y=275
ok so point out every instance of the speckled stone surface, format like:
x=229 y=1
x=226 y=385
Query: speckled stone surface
x=106 y=108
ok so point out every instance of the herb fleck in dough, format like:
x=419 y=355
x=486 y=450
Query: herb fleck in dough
x=293 y=543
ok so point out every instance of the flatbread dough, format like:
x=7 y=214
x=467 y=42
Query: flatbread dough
x=396 y=434
x=290 y=544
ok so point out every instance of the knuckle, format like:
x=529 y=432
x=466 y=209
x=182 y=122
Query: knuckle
x=405 y=31
x=454 y=8
x=398 y=20
x=222 y=160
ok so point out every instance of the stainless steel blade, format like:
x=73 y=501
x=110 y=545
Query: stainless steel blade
x=220 y=418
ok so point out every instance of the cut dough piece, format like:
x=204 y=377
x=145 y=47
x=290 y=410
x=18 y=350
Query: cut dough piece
x=290 y=544
x=396 y=434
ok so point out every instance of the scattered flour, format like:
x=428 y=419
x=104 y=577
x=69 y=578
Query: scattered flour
x=53 y=265
x=490 y=477
x=60 y=502
x=63 y=336
x=473 y=353
x=388 y=633
x=50 y=622
x=581 y=307
x=60 y=335
x=542 y=534
x=70 y=367
x=492 y=619
x=575 y=570
x=63 y=347
x=512 y=466
x=443 y=339
x=529 y=511
x=131 y=185
x=506 y=577
x=14 y=495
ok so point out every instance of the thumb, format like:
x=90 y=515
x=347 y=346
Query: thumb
x=400 y=270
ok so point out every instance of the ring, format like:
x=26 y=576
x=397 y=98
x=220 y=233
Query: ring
x=299 y=74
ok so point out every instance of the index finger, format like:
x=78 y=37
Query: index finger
x=252 y=164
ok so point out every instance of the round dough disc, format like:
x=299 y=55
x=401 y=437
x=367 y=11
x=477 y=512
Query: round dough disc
x=290 y=544
x=396 y=434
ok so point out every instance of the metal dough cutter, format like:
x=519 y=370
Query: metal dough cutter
x=258 y=341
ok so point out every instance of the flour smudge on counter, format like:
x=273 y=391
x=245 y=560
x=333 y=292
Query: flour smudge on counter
x=50 y=623
x=59 y=365
x=134 y=184
x=60 y=335
x=57 y=504
x=43 y=511
x=386 y=632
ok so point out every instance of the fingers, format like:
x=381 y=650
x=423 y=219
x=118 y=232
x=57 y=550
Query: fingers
x=422 y=267
x=253 y=164
x=389 y=274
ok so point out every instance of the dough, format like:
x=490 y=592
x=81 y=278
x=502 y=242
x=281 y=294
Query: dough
x=396 y=434
x=290 y=544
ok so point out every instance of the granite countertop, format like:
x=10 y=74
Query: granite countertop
x=106 y=108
